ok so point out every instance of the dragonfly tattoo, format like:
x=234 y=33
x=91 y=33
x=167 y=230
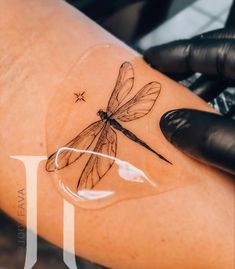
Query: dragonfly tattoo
x=104 y=130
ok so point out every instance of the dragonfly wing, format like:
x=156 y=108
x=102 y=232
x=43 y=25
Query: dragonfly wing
x=97 y=166
x=122 y=88
x=81 y=141
x=140 y=105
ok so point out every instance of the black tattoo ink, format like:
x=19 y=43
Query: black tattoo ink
x=118 y=109
x=79 y=97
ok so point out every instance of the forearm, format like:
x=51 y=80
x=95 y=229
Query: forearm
x=42 y=54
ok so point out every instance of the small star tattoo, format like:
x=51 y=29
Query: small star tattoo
x=79 y=97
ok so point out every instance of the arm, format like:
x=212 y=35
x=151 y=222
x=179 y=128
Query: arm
x=46 y=44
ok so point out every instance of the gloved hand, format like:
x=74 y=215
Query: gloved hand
x=205 y=136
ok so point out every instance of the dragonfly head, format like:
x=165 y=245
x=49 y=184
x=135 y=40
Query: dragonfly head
x=102 y=114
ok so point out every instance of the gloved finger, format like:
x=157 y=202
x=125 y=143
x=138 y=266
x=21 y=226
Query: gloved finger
x=204 y=136
x=170 y=58
x=206 y=56
x=174 y=76
x=208 y=87
x=223 y=33
x=178 y=50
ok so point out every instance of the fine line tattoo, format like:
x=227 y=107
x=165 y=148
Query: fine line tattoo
x=79 y=97
x=104 y=130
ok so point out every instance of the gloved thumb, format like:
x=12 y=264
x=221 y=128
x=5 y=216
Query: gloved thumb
x=202 y=135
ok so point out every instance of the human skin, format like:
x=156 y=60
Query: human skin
x=192 y=226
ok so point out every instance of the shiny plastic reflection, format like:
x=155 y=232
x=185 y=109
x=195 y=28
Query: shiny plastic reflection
x=126 y=172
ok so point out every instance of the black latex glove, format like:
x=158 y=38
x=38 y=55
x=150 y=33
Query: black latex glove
x=204 y=136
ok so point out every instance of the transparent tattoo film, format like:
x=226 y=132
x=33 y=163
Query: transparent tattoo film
x=100 y=133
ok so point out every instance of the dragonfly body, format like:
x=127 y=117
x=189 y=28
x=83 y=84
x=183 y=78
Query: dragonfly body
x=115 y=124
